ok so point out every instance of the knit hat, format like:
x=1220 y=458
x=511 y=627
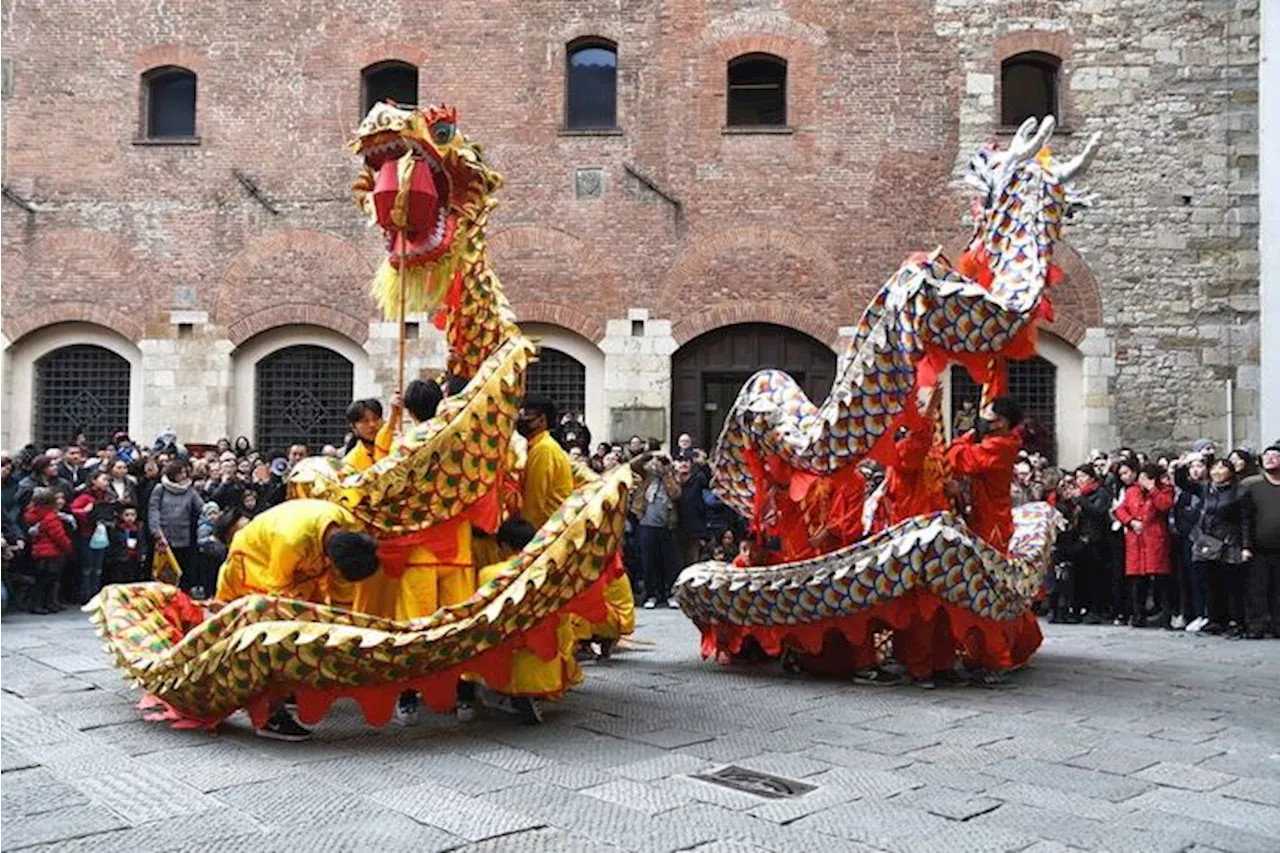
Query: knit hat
x=210 y=509
x=1275 y=445
x=1200 y=444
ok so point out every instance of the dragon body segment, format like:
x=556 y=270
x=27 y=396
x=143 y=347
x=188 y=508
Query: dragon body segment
x=427 y=187
x=978 y=312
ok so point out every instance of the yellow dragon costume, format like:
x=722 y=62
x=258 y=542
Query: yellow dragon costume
x=430 y=191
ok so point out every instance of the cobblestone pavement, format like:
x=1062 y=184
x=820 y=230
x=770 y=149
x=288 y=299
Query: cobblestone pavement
x=1114 y=738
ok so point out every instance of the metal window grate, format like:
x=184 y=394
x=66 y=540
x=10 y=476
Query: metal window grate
x=1034 y=384
x=302 y=396
x=754 y=782
x=80 y=387
x=561 y=377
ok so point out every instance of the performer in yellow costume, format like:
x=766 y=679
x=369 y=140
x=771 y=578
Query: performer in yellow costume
x=372 y=435
x=548 y=481
x=432 y=576
x=310 y=550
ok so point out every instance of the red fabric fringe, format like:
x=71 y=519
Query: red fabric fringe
x=981 y=642
x=439 y=690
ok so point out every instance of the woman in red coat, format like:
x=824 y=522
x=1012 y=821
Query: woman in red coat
x=1148 y=544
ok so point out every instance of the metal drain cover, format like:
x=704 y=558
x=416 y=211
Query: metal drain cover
x=754 y=782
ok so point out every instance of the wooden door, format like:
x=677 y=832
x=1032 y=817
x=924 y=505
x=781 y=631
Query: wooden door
x=708 y=372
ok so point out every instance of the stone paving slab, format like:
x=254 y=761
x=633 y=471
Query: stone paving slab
x=1110 y=740
x=61 y=825
x=222 y=830
x=143 y=798
x=36 y=791
x=1184 y=776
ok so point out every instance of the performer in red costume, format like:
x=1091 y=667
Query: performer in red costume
x=986 y=456
x=914 y=483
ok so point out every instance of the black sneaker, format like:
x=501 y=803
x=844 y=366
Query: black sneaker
x=465 y=710
x=606 y=649
x=282 y=726
x=528 y=709
x=1092 y=619
x=877 y=678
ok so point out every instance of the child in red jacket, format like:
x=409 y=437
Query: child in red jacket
x=49 y=545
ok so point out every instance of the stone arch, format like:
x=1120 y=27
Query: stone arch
x=541 y=266
x=298 y=276
x=48 y=336
x=77 y=275
x=586 y=351
x=352 y=328
x=785 y=314
x=550 y=313
x=124 y=324
x=1077 y=300
x=179 y=55
x=254 y=348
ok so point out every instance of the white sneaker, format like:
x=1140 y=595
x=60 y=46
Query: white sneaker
x=1178 y=623
x=1196 y=624
x=650 y=604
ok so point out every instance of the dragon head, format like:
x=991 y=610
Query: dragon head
x=427 y=187
x=1024 y=196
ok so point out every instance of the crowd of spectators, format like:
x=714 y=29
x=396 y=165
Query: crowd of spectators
x=1182 y=542
x=77 y=517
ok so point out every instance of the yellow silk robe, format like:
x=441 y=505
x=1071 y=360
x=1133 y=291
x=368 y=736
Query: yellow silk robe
x=281 y=552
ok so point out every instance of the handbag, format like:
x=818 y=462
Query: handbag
x=1207 y=548
x=99 y=540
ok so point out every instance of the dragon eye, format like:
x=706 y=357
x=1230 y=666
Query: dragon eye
x=442 y=133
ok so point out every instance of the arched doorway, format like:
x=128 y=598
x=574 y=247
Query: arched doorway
x=82 y=387
x=301 y=393
x=708 y=372
x=561 y=377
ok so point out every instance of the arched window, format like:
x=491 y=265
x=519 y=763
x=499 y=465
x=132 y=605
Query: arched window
x=591 y=85
x=391 y=80
x=561 y=377
x=302 y=393
x=170 y=94
x=1029 y=87
x=80 y=388
x=1033 y=383
x=757 y=91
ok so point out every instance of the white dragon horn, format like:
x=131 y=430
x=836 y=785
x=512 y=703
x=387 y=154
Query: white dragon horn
x=1078 y=164
x=1028 y=141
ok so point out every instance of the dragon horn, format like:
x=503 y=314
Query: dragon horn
x=1080 y=162
x=1028 y=141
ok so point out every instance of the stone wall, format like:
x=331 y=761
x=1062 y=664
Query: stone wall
x=1173 y=240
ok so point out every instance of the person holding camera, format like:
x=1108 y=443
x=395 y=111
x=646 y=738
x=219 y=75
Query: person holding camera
x=655 y=507
x=1221 y=545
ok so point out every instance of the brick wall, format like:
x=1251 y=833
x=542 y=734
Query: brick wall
x=797 y=228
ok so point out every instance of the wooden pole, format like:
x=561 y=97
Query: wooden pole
x=402 y=342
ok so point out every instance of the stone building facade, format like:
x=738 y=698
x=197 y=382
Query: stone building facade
x=627 y=248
